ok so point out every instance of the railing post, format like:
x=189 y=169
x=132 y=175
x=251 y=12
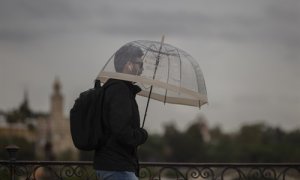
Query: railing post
x=12 y=153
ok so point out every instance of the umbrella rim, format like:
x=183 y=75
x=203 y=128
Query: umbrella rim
x=173 y=100
x=104 y=76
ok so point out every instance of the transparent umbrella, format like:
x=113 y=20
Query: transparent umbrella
x=168 y=74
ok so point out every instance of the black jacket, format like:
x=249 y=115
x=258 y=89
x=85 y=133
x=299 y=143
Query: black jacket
x=122 y=114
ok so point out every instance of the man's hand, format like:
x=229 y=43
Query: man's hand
x=144 y=135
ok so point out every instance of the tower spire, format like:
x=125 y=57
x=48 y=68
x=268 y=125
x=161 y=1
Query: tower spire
x=56 y=85
x=25 y=98
x=57 y=99
x=24 y=107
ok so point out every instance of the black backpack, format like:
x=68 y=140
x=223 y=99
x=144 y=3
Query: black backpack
x=88 y=130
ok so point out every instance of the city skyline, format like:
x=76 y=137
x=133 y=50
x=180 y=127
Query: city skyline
x=248 y=52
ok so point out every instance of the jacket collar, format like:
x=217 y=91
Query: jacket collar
x=133 y=88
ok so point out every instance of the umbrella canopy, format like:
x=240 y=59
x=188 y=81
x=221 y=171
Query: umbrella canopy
x=169 y=74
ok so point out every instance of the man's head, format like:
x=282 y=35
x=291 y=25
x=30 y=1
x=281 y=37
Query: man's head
x=128 y=60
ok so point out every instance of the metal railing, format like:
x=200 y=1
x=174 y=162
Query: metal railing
x=74 y=170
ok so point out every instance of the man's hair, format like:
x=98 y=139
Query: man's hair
x=126 y=53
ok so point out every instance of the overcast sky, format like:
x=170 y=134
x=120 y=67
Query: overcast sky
x=249 y=52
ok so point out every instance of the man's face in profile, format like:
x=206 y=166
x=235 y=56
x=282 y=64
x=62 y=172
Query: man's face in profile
x=137 y=66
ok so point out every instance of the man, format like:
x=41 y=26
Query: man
x=117 y=159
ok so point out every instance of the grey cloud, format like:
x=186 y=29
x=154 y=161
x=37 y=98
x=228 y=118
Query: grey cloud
x=284 y=21
x=265 y=100
x=18 y=9
x=182 y=23
x=274 y=23
x=91 y=28
x=231 y=27
x=16 y=36
x=22 y=21
x=252 y=99
x=285 y=11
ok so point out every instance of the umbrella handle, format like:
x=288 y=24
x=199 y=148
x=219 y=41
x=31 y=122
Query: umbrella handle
x=147 y=106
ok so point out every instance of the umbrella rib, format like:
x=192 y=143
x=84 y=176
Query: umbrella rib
x=180 y=68
x=153 y=50
x=157 y=59
x=197 y=71
x=156 y=65
x=144 y=62
x=167 y=79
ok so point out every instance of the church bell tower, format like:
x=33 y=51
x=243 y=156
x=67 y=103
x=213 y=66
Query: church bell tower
x=57 y=100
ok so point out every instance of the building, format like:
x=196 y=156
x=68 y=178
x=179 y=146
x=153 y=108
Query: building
x=49 y=131
x=59 y=126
